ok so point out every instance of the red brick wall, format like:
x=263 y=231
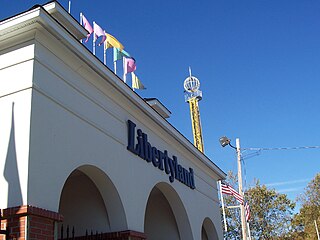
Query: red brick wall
x=32 y=223
x=28 y=222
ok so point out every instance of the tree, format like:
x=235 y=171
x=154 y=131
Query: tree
x=271 y=213
x=303 y=226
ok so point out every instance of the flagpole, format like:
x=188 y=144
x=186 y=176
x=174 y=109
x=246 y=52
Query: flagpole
x=105 y=52
x=223 y=211
x=94 y=41
x=132 y=80
x=124 y=72
x=81 y=23
x=315 y=223
x=69 y=9
x=249 y=233
x=115 y=58
x=114 y=66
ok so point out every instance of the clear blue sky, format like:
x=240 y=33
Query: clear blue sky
x=258 y=64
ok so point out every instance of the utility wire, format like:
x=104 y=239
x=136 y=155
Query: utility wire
x=280 y=148
x=258 y=150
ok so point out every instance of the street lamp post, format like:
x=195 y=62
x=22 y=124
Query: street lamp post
x=224 y=141
x=243 y=219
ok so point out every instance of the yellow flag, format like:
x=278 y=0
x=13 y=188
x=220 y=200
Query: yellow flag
x=136 y=82
x=113 y=42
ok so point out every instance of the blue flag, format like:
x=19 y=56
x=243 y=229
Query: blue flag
x=118 y=54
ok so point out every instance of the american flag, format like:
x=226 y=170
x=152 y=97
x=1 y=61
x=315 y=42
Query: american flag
x=227 y=189
x=247 y=211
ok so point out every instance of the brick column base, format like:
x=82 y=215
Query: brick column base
x=28 y=222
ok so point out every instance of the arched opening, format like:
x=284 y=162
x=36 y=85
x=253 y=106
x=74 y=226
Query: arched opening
x=90 y=202
x=82 y=205
x=165 y=215
x=160 y=222
x=208 y=231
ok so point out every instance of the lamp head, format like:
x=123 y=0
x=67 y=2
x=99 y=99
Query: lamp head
x=224 y=141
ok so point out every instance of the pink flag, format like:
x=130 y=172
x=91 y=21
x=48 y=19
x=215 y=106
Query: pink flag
x=87 y=26
x=99 y=32
x=129 y=65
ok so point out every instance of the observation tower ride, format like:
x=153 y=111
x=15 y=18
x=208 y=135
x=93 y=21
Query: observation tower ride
x=193 y=95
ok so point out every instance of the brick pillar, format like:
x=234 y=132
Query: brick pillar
x=29 y=223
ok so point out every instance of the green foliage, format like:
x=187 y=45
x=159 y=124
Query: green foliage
x=303 y=226
x=271 y=213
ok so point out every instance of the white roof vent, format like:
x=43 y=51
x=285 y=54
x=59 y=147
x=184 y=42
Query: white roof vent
x=158 y=107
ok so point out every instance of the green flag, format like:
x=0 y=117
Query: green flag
x=118 y=54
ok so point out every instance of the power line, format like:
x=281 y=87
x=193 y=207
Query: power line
x=281 y=148
x=258 y=151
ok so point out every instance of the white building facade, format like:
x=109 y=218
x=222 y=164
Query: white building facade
x=79 y=148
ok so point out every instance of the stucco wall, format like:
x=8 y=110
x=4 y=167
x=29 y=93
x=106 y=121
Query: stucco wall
x=75 y=117
x=16 y=75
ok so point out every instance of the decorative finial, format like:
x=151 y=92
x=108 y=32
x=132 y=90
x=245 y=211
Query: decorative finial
x=191 y=84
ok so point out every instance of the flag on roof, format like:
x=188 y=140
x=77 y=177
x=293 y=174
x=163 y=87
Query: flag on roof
x=227 y=189
x=99 y=32
x=113 y=42
x=87 y=26
x=136 y=83
x=118 y=54
x=129 y=65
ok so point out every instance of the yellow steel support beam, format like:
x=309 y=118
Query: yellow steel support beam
x=196 y=124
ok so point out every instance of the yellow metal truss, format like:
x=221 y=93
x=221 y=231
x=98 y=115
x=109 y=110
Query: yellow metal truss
x=196 y=124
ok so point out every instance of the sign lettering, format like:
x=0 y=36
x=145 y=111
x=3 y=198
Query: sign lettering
x=138 y=144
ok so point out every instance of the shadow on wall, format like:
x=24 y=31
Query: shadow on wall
x=11 y=173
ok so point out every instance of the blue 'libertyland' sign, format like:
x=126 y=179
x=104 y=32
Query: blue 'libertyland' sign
x=159 y=159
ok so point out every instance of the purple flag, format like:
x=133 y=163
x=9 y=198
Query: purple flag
x=99 y=32
x=87 y=26
x=129 y=65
